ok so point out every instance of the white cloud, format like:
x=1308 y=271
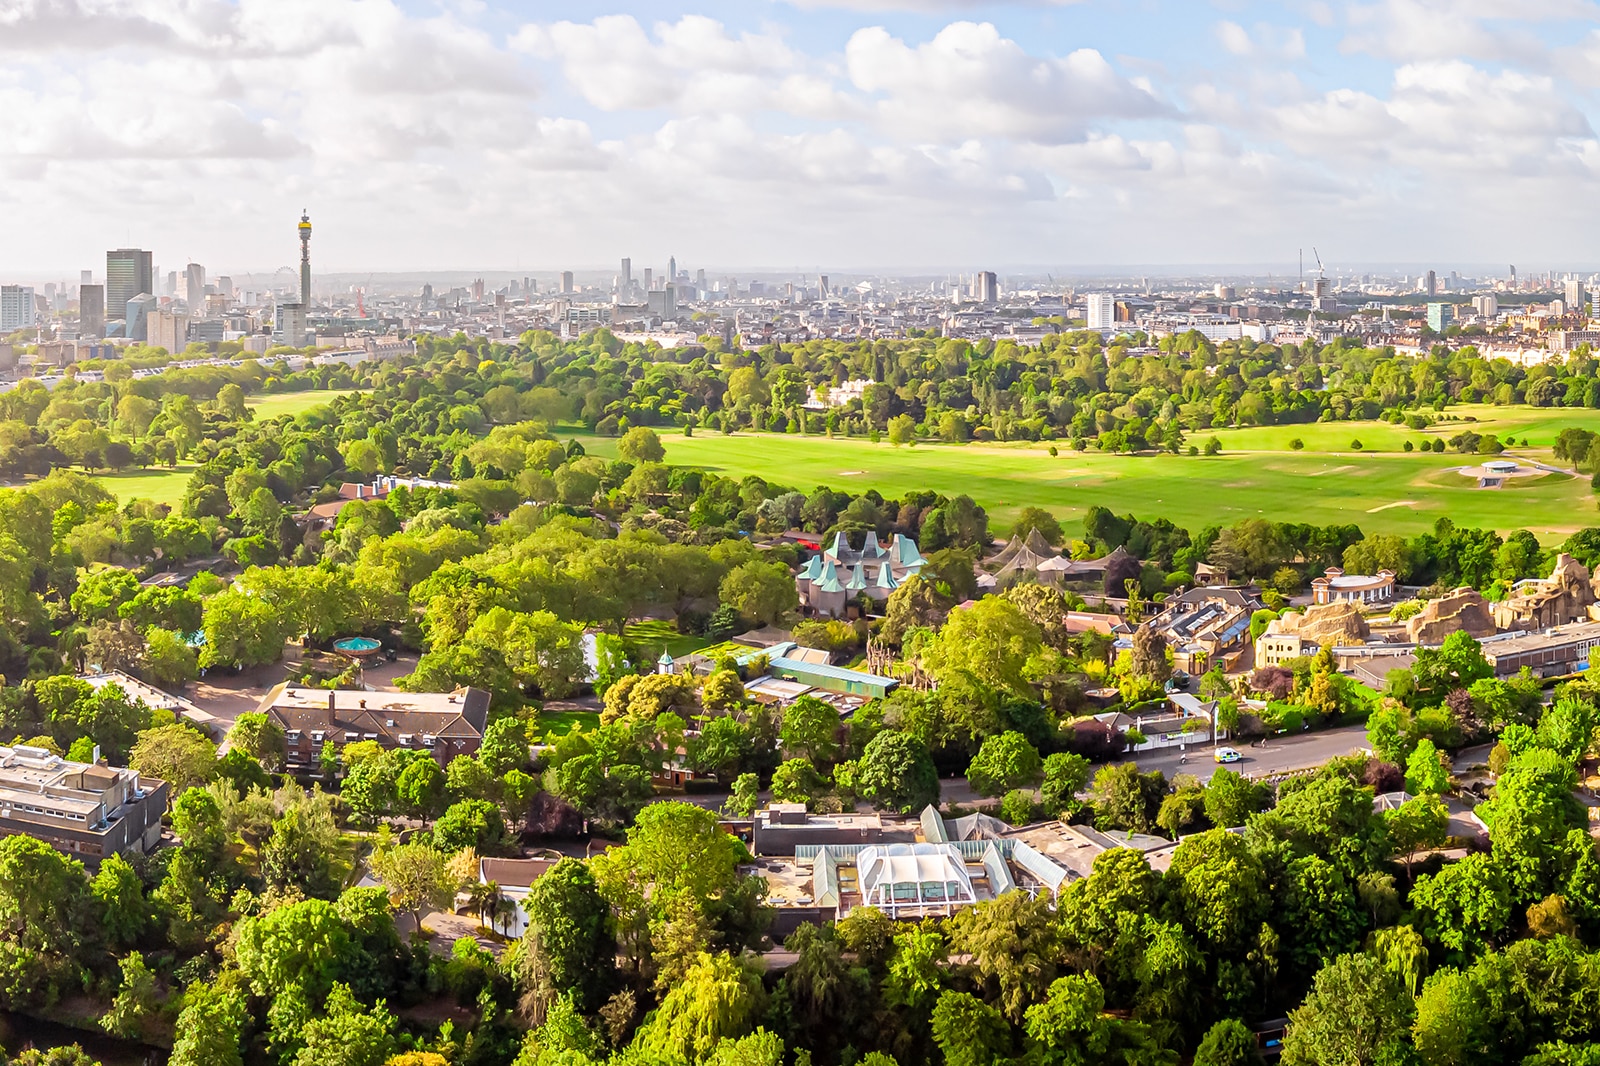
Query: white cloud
x=929 y=7
x=968 y=81
x=693 y=64
x=1442 y=115
x=1268 y=42
x=1457 y=29
x=438 y=137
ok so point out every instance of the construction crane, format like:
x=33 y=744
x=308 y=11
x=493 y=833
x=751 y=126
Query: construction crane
x=1321 y=272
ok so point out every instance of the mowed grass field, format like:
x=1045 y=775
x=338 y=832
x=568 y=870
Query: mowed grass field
x=158 y=484
x=271 y=405
x=1382 y=490
x=1538 y=425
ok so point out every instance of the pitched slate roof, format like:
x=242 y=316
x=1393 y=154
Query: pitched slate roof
x=381 y=715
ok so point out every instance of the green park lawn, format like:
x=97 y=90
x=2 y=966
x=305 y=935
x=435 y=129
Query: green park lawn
x=271 y=405
x=1538 y=425
x=652 y=636
x=1382 y=491
x=155 y=483
x=554 y=724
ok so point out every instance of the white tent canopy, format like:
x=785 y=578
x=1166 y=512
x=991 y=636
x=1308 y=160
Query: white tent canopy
x=893 y=876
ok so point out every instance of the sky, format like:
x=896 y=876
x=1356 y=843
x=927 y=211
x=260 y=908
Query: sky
x=908 y=135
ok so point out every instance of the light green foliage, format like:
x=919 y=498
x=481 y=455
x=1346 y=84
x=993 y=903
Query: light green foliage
x=1065 y=775
x=745 y=796
x=1006 y=761
x=796 y=781
x=762 y=593
x=1228 y=1043
x=345 y=1033
x=504 y=746
x=136 y=1000
x=1357 y=1012
x=568 y=949
x=896 y=771
x=989 y=642
x=260 y=738
x=1466 y=907
x=210 y=1026
x=970 y=1032
x=176 y=754
x=672 y=848
x=1425 y=772
x=470 y=823
x=810 y=730
x=718 y=999
x=296 y=946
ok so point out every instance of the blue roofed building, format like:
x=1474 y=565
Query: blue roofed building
x=831 y=582
x=790 y=662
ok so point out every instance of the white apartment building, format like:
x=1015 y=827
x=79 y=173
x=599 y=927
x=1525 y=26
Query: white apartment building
x=16 y=307
x=1102 y=310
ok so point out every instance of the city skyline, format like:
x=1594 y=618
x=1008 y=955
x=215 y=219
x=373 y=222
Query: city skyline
x=838 y=134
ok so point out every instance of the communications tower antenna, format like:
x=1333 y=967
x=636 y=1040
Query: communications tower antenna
x=305 y=259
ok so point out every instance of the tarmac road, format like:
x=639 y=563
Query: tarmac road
x=1301 y=751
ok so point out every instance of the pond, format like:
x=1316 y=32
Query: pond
x=18 y=1033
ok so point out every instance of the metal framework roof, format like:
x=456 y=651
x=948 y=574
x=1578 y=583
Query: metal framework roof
x=893 y=876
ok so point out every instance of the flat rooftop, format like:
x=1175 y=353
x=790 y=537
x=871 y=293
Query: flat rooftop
x=845 y=822
x=1077 y=846
x=1556 y=636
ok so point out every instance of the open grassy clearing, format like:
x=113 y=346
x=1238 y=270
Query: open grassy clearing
x=553 y=724
x=1389 y=492
x=650 y=637
x=158 y=484
x=271 y=405
x=1539 y=425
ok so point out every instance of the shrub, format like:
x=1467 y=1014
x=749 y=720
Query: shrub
x=1018 y=808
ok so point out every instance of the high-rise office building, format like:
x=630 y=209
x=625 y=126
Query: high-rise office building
x=662 y=302
x=16 y=307
x=289 y=324
x=129 y=272
x=566 y=283
x=91 y=310
x=672 y=269
x=1102 y=310
x=985 y=287
x=1439 y=316
x=137 y=316
x=627 y=275
x=194 y=285
x=225 y=287
x=167 y=329
x=822 y=286
x=1430 y=283
x=1572 y=295
x=85 y=277
x=649 y=279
